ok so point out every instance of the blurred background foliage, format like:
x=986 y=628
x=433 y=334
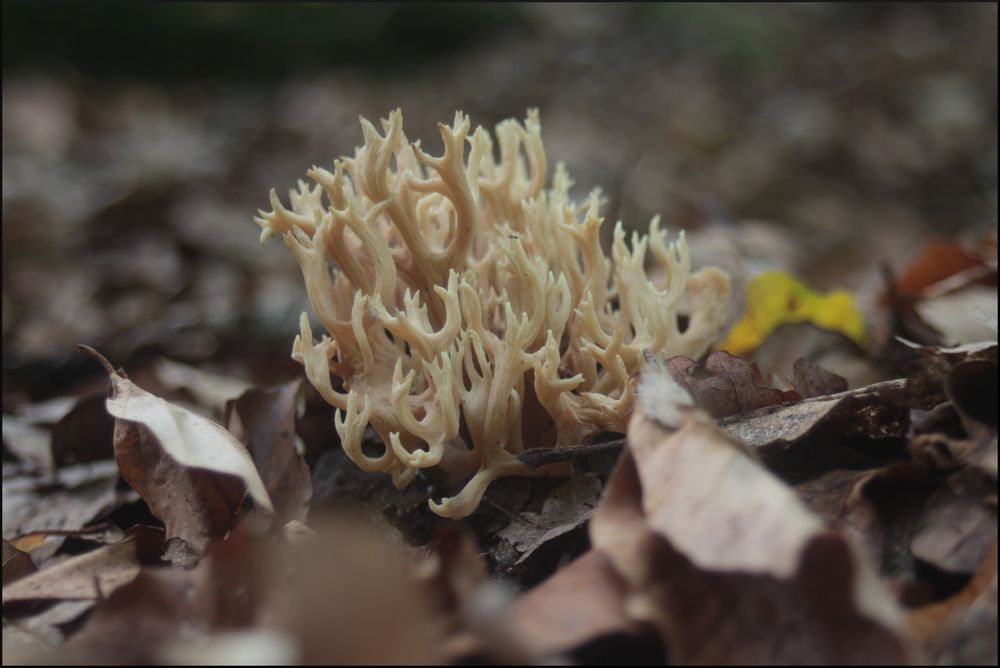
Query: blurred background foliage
x=256 y=42
x=140 y=138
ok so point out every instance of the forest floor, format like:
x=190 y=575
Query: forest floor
x=826 y=496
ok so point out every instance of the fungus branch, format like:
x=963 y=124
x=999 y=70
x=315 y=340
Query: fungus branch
x=460 y=296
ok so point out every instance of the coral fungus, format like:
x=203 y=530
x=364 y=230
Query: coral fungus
x=471 y=311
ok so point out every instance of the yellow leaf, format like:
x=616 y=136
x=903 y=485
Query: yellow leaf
x=774 y=298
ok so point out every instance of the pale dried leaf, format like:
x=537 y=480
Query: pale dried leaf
x=580 y=603
x=264 y=420
x=89 y=576
x=189 y=439
x=79 y=495
x=564 y=509
x=811 y=380
x=871 y=412
x=208 y=389
x=728 y=563
x=958 y=525
x=16 y=564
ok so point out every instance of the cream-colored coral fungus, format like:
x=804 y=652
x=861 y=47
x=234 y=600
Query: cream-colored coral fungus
x=471 y=311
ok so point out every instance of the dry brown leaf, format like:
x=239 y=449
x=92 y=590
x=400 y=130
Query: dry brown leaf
x=71 y=501
x=207 y=389
x=264 y=420
x=926 y=376
x=724 y=558
x=580 y=603
x=725 y=384
x=93 y=575
x=850 y=501
x=191 y=472
x=972 y=388
x=16 y=564
x=956 y=315
x=132 y=624
x=342 y=614
x=961 y=630
x=936 y=262
x=876 y=411
x=48 y=625
x=27 y=443
x=958 y=524
x=564 y=509
x=811 y=380
x=84 y=434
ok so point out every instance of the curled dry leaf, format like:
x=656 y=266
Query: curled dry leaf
x=72 y=500
x=961 y=630
x=726 y=561
x=26 y=443
x=725 y=384
x=191 y=472
x=876 y=411
x=342 y=614
x=90 y=576
x=811 y=380
x=137 y=619
x=847 y=501
x=48 y=625
x=958 y=524
x=16 y=564
x=926 y=376
x=84 y=434
x=582 y=602
x=564 y=509
x=264 y=420
x=208 y=389
x=972 y=388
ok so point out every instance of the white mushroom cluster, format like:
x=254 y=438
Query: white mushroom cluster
x=470 y=312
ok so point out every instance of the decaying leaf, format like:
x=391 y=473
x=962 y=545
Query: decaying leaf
x=774 y=298
x=133 y=622
x=811 y=380
x=956 y=315
x=564 y=509
x=27 y=443
x=961 y=630
x=191 y=472
x=264 y=420
x=90 y=576
x=958 y=524
x=16 y=564
x=877 y=411
x=851 y=502
x=725 y=384
x=48 y=625
x=926 y=376
x=580 y=603
x=208 y=389
x=972 y=388
x=70 y=500
x=939 y=261
x=766 y=584
x=340 y=615
x=84 y=434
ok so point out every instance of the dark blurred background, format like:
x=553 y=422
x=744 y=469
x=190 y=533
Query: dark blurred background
x=139 y=139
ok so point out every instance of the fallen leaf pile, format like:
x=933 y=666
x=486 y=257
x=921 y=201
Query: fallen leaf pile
x=736 y=523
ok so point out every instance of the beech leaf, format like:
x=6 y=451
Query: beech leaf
x=725 y=384
x=190 y=471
